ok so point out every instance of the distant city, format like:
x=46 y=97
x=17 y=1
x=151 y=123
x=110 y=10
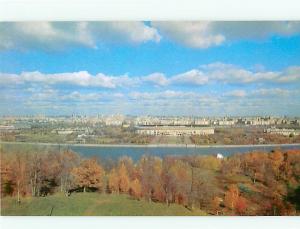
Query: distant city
x=115 y=129
x=124 y=120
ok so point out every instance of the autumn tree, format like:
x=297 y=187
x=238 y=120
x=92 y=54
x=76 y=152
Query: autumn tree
x=254 y=165
x=279 y=207
x=35 y=166
x=67 y=160
x=136 y=188
x=231 y=197
x=167 y=179
x=241 y=205
x=204 y=187
x=206 y=162
x=129 y=165
x=276 y=161
x=231 y=165
x=19 y=174
x=291 y=167
x=158 y=191
x=151 y=182
x=215 y=204
x=123 y=178
x=7 y=186
x=234 y=201
x=113 y=181
x=89 y=174
x=118 y=178
x=182 y=179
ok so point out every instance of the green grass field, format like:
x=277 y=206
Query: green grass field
x=90 y=204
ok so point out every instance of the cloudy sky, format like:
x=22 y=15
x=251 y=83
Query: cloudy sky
x=150 y=68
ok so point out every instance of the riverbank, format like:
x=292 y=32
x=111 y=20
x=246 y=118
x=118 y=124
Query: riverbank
x=150 y=145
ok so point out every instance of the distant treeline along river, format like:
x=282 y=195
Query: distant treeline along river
x=115 y=152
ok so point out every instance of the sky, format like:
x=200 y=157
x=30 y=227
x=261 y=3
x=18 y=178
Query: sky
x=190 y=68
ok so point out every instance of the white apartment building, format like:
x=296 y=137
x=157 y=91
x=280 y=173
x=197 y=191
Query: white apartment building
x=226 y=122
x=285 y=132
x=202 y=122
x=175 y=130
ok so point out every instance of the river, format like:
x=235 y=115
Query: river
x=136 y=151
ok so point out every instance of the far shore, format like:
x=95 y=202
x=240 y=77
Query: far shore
x=151 y=145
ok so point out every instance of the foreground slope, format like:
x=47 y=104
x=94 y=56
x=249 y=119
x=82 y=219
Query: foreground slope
x=90 y=204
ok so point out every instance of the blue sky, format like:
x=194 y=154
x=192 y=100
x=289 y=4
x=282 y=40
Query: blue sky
x=150 y=68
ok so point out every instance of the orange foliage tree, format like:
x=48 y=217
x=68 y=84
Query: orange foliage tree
x=234 y=201
x=123 y=179
x=118 y=180
x=113 y=181
x=241 y=205
x=231 y=197
x=89 y=174
x=151 y=180
x=136 y=188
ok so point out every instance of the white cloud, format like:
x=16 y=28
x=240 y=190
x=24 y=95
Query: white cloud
x=66 y=96
x=58 y=35
x=78 y=96
x=256 y=29
x=215 y=73
x=194 y=34
x=8 y=79
x=291 y=74
x=44 y=35
x=191 y=34
x=167 y=94
x=262 y=93
x=227 y=73
x=234 y=74
x=192 y=77
x=82 y=78
x=236 y=93
x=156 y=78
x=205 y=34
x=272 y=92
x=135 y=32
x=166 y=102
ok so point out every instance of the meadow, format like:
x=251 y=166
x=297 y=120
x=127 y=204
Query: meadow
x=90 y=204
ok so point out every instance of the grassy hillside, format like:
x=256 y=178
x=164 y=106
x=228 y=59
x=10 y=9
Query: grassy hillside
x=90 y=204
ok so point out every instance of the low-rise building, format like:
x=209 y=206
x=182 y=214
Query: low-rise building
x=7 y=128
x=174 y=130
x=64 y=132
x=285 y=132
x=202 y=122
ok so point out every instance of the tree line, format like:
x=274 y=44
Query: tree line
x=255 y=183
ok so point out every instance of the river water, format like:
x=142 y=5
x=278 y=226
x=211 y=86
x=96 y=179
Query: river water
x=115 y=152
x=136 y=152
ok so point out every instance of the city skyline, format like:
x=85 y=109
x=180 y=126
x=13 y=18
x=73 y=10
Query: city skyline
x=150 y=68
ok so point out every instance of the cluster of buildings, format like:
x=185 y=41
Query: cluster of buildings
x=119 y=120
x=148 y=125
x=114 y=120
x=216 y=121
